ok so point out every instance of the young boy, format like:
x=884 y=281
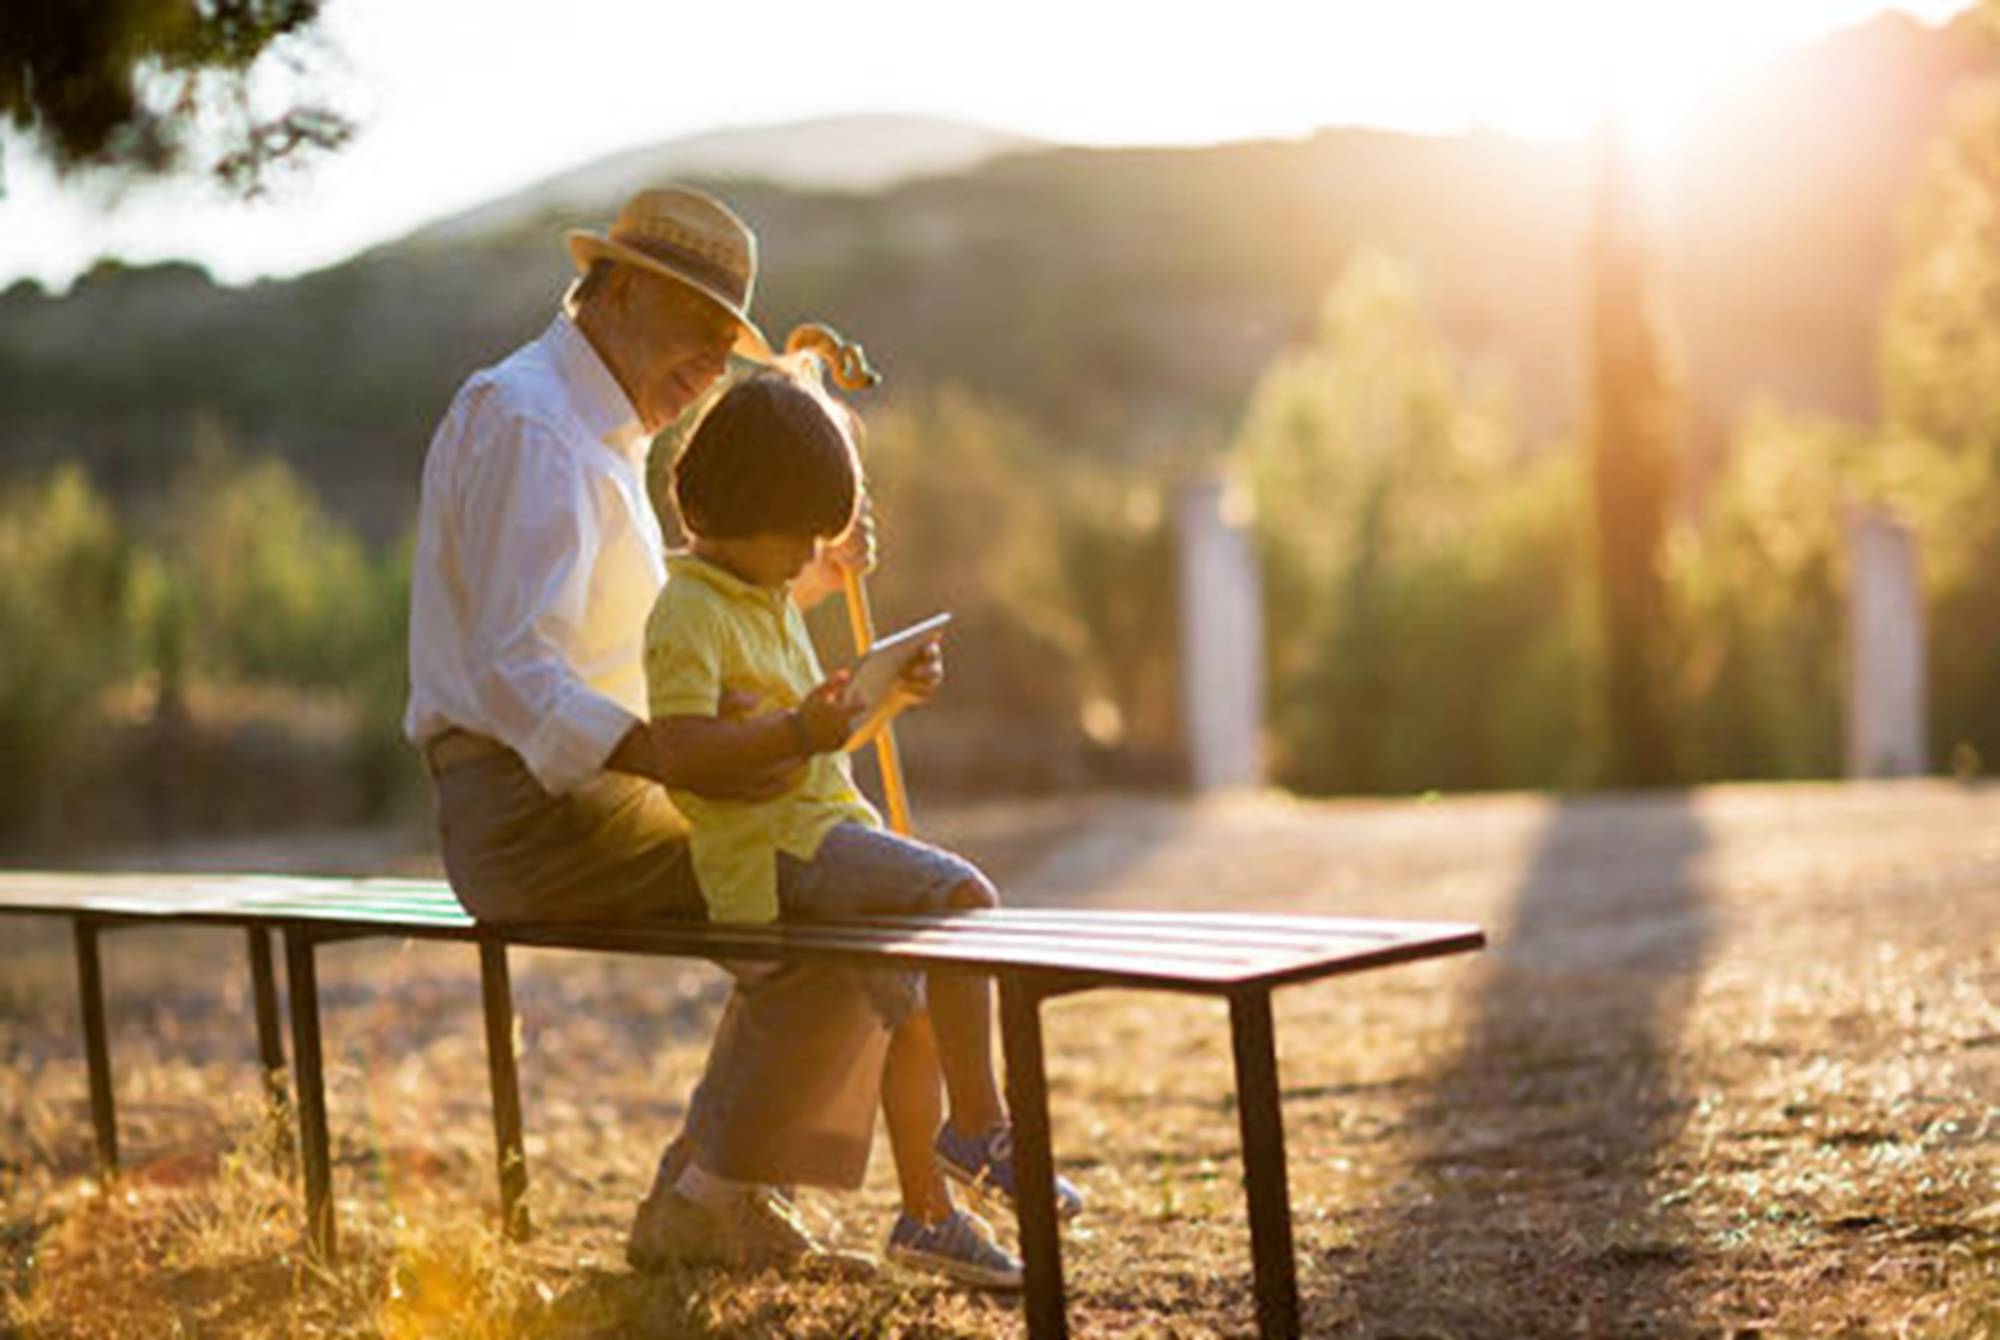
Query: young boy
x=766 y=476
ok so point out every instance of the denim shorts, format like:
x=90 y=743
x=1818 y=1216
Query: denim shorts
x=859 y=870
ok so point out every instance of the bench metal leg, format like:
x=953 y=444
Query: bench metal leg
x=301 y=979
x=1263 y=1127
x=497 y=996
x=1034 y=1161
x=96 y=1046
x=270 y=1043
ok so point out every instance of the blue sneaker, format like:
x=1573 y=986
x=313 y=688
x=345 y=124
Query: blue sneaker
x=960 y=1248
x=985 y=1165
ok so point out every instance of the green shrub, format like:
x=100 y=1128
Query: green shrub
x=1421 y=574
x=63 y=628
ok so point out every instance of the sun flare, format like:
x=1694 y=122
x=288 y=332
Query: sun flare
x=1557 y=67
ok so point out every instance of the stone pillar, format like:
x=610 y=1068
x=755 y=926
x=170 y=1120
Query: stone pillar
x=1222 y=637
x=1886 y=703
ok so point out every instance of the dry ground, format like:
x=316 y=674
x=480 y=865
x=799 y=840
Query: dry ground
x=1731 y=1068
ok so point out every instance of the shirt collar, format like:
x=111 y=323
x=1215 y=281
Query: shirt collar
x=688 y=564
x=599 y=400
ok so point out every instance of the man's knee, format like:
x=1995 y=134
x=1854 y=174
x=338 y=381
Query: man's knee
x=975 y=893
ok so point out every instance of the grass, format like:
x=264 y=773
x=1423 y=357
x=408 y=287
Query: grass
x=1732 y=1068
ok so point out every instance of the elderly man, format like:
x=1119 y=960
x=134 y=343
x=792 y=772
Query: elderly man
x=538 y=560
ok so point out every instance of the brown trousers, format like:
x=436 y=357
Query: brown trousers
x=794 y=1073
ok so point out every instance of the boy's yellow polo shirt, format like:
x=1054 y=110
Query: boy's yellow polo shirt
x=712 y=631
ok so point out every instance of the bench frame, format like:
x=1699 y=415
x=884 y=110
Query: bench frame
x=1022 y=989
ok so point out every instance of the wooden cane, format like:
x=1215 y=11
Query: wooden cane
x=848 y=366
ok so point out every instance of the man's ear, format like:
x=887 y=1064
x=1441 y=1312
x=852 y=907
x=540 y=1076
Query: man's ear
x=618 y=291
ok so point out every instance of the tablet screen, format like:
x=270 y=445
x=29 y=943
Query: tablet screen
x=876 y=673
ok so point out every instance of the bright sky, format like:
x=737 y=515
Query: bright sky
x=463 y=100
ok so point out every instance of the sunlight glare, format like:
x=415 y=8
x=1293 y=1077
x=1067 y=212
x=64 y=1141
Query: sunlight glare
x=1557 y=67
x=1534 y=68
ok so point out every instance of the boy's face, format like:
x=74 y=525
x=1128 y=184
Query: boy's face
x=769 y=558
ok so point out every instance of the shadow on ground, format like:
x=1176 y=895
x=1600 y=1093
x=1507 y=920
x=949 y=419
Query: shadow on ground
x=1537 y=1195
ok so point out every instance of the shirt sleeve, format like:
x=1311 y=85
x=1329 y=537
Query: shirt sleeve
x=683 y=659
x=531 y=525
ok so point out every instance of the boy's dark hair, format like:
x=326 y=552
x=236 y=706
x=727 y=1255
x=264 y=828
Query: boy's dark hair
x=767 y=458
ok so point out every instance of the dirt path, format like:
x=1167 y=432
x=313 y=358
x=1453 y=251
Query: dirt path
x=1732 y=1066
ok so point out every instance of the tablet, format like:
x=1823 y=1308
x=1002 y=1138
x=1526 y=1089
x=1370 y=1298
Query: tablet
x=877 y=674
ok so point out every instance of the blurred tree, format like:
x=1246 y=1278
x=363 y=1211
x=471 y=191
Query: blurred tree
x=1419 y=575
x=967 y=503
x=1631 y=452
x=1119 y=607
x=274 y=590
x=1759 y=586
x=1941 y=394
x=1763 y=591
x=236 y=657
x=139 y=85
x=1941 y=336
x=259 y=596
x=1335 y=437
x=62 y=628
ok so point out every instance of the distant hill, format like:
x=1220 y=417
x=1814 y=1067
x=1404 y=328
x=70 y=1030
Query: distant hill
x=845 y=153
x=1122 y=300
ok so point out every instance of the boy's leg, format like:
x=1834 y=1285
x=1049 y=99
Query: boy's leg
x=860 y=870
x=962 y=1008
x=913 y=1111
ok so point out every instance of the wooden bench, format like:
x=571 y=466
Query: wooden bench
x=1034 y=955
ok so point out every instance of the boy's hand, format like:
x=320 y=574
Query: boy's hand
x=827 y=714
x=924 y=674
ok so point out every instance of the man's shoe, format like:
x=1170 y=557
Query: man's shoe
x=672 y=1230
x=760 y=1228
x=960 y=1248
x=985 y=1165
x=769 y=1230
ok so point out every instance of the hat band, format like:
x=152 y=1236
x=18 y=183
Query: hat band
x=727 y=283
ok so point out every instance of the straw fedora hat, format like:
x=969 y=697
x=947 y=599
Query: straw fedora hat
x=691 y=238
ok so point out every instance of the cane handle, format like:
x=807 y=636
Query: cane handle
x=845 y=361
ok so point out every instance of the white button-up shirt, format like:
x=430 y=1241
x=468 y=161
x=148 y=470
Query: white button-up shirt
x=538 y=560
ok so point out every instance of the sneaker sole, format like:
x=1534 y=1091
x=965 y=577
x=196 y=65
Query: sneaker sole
x=991 y=1196
x=959 y=1272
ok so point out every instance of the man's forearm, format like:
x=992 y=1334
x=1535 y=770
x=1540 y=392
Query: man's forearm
x=709 y=755
x=724 y=753
x=638 y=753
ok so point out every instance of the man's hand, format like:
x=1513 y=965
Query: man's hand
x=853 y=551
x=735 y=704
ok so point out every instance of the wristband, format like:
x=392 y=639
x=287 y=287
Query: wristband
x=800 y=735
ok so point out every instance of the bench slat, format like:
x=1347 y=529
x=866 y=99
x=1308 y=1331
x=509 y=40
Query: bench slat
x=1201 y=951
x=938 y=948
x=1273 y=931
x=394 y=899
